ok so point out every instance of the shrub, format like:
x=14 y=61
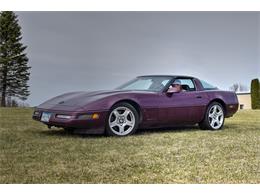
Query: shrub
x=255 y=94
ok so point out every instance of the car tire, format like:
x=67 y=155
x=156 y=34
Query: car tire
x=123 y=120
x=214 y=117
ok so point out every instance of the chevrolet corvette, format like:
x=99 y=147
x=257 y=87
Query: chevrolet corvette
x=151 y=101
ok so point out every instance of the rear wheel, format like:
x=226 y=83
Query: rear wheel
x=214 y=117
x=123 y=120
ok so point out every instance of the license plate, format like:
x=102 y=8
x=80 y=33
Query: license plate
x=46 y=117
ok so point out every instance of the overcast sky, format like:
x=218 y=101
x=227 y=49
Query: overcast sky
x=71 y=51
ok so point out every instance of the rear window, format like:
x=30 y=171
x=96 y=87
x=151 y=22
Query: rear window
x=207 y=86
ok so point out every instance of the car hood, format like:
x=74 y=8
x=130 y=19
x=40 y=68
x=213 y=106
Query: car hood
x=79 y=99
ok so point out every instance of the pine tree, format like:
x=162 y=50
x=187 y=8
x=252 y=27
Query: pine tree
x=14 y=69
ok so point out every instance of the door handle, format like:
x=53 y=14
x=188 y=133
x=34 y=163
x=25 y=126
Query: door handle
x=198 y=96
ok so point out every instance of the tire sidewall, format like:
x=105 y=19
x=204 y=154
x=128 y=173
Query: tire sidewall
x=136 y=115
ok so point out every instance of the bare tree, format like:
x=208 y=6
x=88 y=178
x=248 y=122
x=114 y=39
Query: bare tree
x=234 y=87
x=238 y=87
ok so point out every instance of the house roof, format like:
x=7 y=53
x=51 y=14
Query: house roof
x=243 y=93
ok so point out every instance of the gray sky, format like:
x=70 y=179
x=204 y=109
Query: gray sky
x=71 y=51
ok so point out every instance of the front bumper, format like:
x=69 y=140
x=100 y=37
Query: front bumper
x=96 y=126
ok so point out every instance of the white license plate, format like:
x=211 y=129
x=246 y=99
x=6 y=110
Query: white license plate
x=46 y=117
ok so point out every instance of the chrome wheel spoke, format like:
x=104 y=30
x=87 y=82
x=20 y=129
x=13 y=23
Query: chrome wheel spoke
x=126 y=113
x=211 y=115
x=121 y=128
x=115 y=112
x=220 y=113
x=214 y=109
x=212 y=123
x=113 y=124
x=129 y=123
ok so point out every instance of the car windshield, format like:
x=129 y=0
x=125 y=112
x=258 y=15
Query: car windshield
x=147 y=83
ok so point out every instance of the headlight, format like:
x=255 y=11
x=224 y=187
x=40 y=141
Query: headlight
x=62 y=116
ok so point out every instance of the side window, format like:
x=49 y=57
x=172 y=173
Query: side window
x=207 y=86
x=187 y=84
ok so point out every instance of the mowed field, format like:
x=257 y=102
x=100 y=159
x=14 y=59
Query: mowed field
x=31 y=153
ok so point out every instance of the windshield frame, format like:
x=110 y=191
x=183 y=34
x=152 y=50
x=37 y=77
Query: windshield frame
x=171 y=78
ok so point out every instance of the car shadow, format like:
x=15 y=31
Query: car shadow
x=176 y=129
x=63 y=133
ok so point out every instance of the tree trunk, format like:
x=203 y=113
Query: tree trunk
x=3 y=97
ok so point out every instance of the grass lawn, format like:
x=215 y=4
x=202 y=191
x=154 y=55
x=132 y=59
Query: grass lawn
x=31 y=153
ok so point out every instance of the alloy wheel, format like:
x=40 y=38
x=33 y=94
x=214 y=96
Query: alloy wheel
x=121 y=121
x=216 y=116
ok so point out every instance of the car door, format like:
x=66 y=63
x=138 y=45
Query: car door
x=185 y=107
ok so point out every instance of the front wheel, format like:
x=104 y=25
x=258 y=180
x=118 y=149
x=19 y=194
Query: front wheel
x=214 y=117
x=123 y=120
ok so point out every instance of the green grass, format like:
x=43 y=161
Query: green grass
x=31 y=153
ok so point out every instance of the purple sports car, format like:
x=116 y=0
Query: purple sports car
x=151 y=101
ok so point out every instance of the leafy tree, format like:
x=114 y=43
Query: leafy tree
x=255 y=94
x=14 y=69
